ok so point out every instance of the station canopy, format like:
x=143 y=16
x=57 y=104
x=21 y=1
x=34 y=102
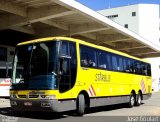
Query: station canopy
x=45 y=18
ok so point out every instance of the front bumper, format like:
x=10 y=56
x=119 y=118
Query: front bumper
x=42 y=105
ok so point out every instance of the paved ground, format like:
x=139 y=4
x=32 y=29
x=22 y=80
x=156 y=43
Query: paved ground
x=149 y=111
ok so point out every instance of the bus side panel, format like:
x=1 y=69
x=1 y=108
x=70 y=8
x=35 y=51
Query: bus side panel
x=142 y=83
x=101 y=83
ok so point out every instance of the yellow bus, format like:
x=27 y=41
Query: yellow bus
x=62 y=74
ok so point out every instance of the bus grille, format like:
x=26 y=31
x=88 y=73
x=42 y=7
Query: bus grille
x=33 y=96
x=22 y=96
x=26 y=96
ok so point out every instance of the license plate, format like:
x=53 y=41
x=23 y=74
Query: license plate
x=28 y=103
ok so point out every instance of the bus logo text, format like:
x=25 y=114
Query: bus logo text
x=102 y=77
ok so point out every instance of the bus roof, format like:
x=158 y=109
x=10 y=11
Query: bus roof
x=81 y=42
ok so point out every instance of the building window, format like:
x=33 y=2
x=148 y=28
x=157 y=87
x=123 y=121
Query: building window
x=112 y=16
x=3 y=54
x=126 y=25
x=133 y=13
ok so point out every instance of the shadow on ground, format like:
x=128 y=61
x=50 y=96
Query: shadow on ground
x=7 y=111
x=107 y=108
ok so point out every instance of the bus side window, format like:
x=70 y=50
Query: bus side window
x=88 y=56
x=109 y=61
x=144 y=69
x=84 y=61
x=120 y=61
x=148 y=69
x=126 y=67
x=102 y=60
x=137 y=67
x=130 y=66
x=114 y=63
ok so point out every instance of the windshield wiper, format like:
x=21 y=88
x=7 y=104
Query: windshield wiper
x=54 y=73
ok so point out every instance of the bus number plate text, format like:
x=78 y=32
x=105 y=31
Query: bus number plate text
x=27 y=103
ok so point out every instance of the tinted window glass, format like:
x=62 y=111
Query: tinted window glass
x=120 y=60
x=114 y=62
x=109 y=61
x=38 y=65
x=144 y=69
x=148 y=69
x=137 y=67
x=126 y=69
x=73 y=63
x=102 y=59
x=88 y=56
x=68 y=66
x=130 y=65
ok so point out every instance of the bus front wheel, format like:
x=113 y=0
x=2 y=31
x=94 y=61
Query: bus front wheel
x=80 y=105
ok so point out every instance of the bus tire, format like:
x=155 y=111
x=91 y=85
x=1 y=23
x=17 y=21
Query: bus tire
x=80 y=105
x=139 y=99
x=131 y=100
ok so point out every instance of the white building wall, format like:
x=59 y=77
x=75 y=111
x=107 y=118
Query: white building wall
x=124 y=16
x=149 y=22
x=145 y=23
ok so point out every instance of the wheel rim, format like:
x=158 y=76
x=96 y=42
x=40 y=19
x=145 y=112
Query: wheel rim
x=139 y=100
x=132 y=100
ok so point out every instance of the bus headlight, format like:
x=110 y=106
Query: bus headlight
x=13 y=103
x=13 y=96
x=49 y=97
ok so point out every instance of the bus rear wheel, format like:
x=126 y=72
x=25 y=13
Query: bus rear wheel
x=132 y=100
x=139 y=99
x=80 y=105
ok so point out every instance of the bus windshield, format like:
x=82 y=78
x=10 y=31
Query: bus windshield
x=38 y=62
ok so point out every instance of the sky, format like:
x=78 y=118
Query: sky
x=104 y=4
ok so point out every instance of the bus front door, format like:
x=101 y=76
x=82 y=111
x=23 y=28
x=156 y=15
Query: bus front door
x=67 y=66
x=64 y=75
